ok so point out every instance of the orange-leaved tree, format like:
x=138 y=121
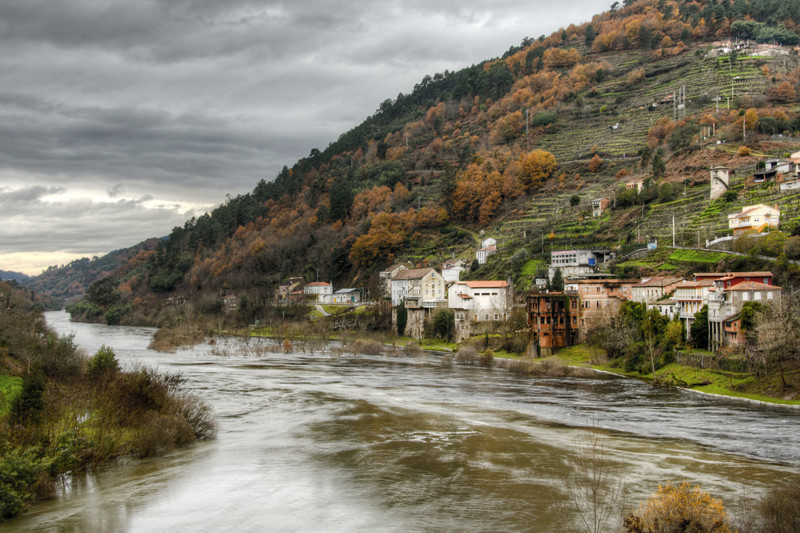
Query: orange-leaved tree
x=677 y=508
x=535 y=167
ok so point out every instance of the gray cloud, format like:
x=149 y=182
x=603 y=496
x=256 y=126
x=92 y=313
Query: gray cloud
x=188 y=101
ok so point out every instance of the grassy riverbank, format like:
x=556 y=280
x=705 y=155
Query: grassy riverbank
x=744 y=385
x=62 y=413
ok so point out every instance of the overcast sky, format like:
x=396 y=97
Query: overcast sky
x=120 y=119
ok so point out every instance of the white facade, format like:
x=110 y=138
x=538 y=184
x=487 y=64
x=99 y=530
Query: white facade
x=422 y=287
x=483 y=300
x=319 y=292
x=451 y=270
x=386 y=277
x=652 y=289
x=487 y=249
x=347 y=296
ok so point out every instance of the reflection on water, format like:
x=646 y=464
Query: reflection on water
x=314 y=442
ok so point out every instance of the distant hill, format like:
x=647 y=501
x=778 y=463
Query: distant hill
x=517 y=147
x=72 y=280
x=16 y=276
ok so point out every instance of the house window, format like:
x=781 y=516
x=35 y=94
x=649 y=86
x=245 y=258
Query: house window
x=757 y=295
x=769 y=295
x=745 y=296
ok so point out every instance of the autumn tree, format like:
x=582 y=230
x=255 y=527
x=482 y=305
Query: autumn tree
x=679 y=508
x=595 y=163
x=536 y=167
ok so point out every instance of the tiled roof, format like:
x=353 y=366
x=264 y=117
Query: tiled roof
x=753 y=286
x=486 y=284
x=417 y=273
x=318 y=284
x=658 y=282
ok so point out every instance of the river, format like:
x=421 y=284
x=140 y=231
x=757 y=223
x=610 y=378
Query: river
x=316 y=442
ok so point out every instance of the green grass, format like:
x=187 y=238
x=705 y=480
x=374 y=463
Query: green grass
x=10 y=387
x=437 y=344
x=718 y=382
x=696 y=256
x=336 y=309
x=529 y=269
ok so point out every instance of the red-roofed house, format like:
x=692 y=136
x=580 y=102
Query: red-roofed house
x=726 y=303
x=319 y=292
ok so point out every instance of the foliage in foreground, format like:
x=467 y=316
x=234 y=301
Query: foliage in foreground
x=678 y=508
x=71 y=414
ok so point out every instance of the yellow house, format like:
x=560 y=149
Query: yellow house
x=754 y=217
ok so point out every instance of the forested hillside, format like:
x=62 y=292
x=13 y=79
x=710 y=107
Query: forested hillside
x=516 y=146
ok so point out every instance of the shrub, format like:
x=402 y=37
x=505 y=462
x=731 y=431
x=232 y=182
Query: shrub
x=677 y=509
x=19 y=471
x=104 y=364
x=412 y=349
x=365 y=347
x=486 y=358
x=743 y=151
x=467 y=356
x=780 y=509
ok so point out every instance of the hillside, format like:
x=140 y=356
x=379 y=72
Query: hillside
x=72 y=280
x=516 y=147
x=15 y=276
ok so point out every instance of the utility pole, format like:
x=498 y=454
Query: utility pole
x=527 y=123
x=673 y=231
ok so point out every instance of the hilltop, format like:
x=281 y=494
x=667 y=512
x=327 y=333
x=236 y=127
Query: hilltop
x=515 y=147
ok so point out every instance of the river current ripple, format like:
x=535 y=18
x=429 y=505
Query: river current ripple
x=316 y=442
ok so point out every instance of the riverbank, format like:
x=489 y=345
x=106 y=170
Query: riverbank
x=738 y=385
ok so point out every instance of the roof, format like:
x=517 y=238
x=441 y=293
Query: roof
x=453 y=263
x=488 y=248
x=318 y=284
x=718 y=275
x=343 y=291
x=664 y=302
x=688 y=285
x=659 y=282
x=750 y=208
x=485 y=284
x=394 y=267
x=417 y=273
x=753 y=286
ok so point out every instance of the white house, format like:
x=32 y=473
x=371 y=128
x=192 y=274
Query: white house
x=319 y=292
x=478 y=301
x=451 y=270
x=421 y=287
x=652 y=289
x=488 y=248
x=485 y=300
x=387 y=275
x=347 y=296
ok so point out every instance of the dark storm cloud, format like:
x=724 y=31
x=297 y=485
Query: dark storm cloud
x=186 y=101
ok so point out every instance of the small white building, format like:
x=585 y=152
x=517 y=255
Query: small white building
x=487 y=249
x=319 y=292
x=347 y=296
x=387 y=275
x=451 y=270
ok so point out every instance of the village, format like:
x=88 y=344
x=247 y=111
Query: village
x=576 y=292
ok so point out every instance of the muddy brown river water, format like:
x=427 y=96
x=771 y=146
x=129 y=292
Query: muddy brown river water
x=316 y=442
